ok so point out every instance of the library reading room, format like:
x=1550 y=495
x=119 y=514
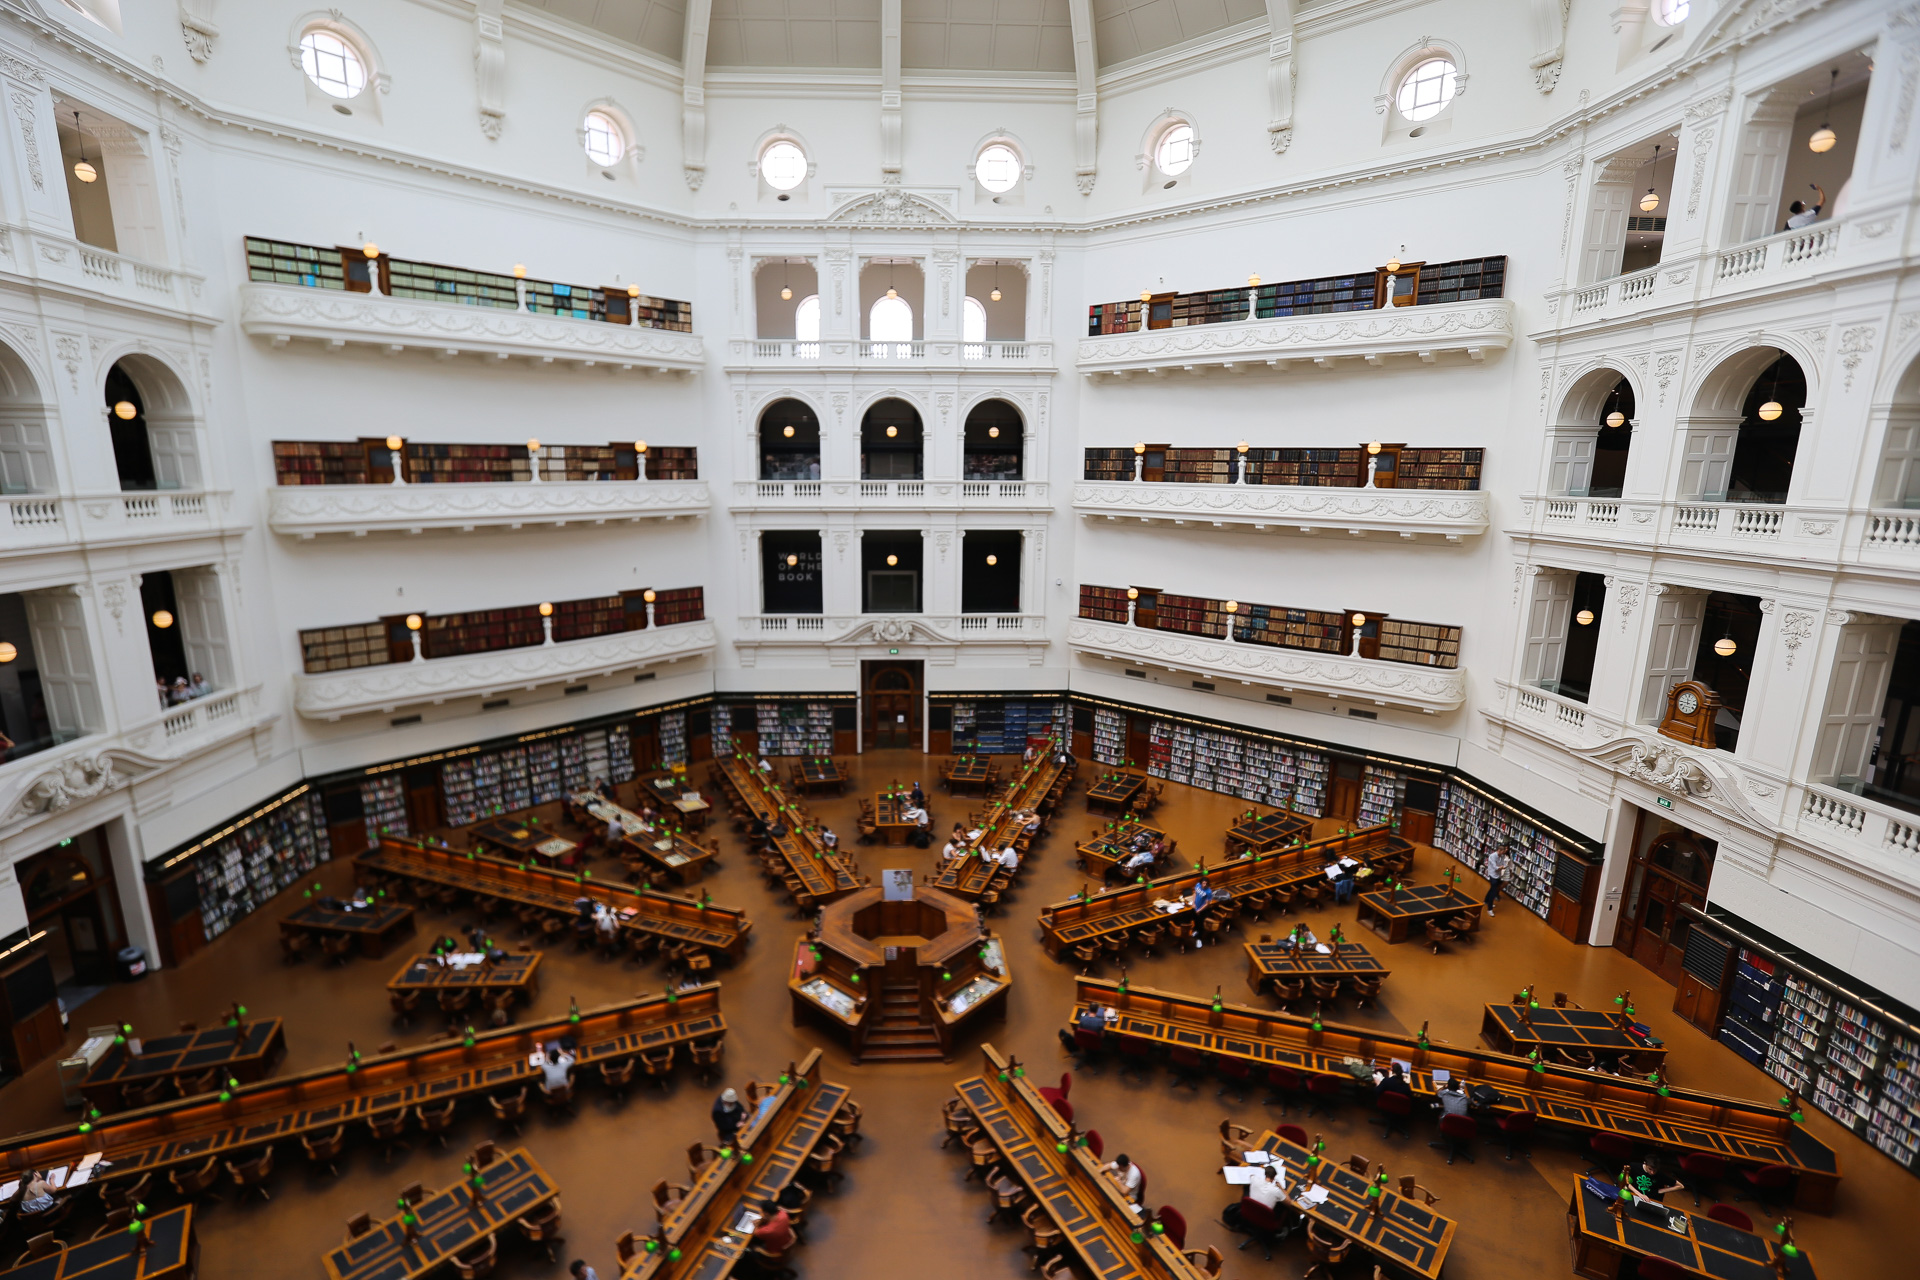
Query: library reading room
x=1076 y=640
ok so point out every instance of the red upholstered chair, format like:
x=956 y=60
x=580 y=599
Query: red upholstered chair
x=1137 y=1055
x=1610 y=1152
x=1173 y=1224
x=1516 y=1127
x=1325 y=1091
x=1701 y=1170
x=1396 y=1109
x=1652 y=1268
x=1283 y=1085
x=1261 y=1224
x=1456 y=1133
x=1731 y=1216
x=1234 y=1074
x=1294 y=1133
x=1769 y=1184
x=1089 y=1047
x=1188 y=1065
x=1095 y=1144
x=1060 y=1105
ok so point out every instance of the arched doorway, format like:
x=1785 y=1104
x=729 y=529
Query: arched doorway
x=69 y=892
x=892 y=693
x=995 y=440
x=890 y=441
x=1671 y=869
x=789 y=442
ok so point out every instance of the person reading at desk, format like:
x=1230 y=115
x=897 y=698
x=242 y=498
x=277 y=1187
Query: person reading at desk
x=1125 y=1172
x=615 y=833
x=729 y=1113
x=1395 y=1081
x=37 y=1196
x=953 y=849
x=764 y=766
x=828 y=840
x=775 y=1233
x=1266 y=1188
x=1008 y=857
x=1139 y=861
x=1650 y=1184
x=557 y=1071
x=1452 y=1098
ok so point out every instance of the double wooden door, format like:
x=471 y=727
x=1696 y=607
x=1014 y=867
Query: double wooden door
x=892 y=698
x=1672 y=873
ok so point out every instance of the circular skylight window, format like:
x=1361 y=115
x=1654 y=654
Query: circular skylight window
x=1173 y=154
x=998 y=168
x=604 y=141
x=332 y=64
x=1427 y=89
x=783 y=165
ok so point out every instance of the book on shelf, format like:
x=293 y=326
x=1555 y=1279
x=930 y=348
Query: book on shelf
x=322 y=462
x=1421 y=643
x=1109 y=736
x=1103 y=604
x=1439 y=469
x=383 y=806
x=1293 y=628
x=342 y=648
x=1108 y=464
x=673 y=462
x=682 y=604
x=1191 y=615
x=673 y=737
x=1310 y=468
x=240 y=872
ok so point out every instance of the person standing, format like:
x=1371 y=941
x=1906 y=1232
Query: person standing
x=1799 y=215
x=728 y=1115
x=1495 y=871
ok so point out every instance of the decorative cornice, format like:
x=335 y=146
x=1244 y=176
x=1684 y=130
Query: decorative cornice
x=1387 y=684
x=1475 y=328
x=895 y=495
x=283 y=313
x=386 y=688
x=1284 y=509
x=308 y=510
x=935 y=637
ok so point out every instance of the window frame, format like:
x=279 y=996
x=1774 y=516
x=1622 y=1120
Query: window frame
x=1411 y=80
x=806 y=164
x=614 y=129
x=1396 y=127
x=378 y=83
x=314 y=78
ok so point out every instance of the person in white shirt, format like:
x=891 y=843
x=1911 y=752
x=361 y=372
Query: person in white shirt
x=557 y=1069
x=1799 y=215
x=1010 y=858
x=828 y=840
x=765 y=767
x=951 y=850
x=199 y=687
x=1265 y=1187
x=1495 y=871
x=615 y=833
x=1126 y=1173
x=1144 y=858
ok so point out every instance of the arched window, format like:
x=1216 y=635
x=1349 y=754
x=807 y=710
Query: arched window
x=994 y=442
x=890 y=442
x=1426 y=89
x=604 y=139
x=1173 y=151
x=890 y=328
x=789 y=442
x=806 y=327
x=973 y=328
x=1671 y=13
x=335 y=67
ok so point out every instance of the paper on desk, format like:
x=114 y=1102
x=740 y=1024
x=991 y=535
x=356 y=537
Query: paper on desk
x=749 y=1219
x=1313 y=1196
x=80 y=1177
x=1323 y=948
x=7 y=1192
x=58 y=1178
x=87 y=1162
x=1237 y=1175
x=1257 y=1157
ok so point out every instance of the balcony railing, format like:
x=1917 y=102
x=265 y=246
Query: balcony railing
x=1359 y=634
x=931 y=495
x=1799 y=532
x=845 y=352
x=307 y=511
x=1790 y=255
x=33 y=522
x=846 y=638
x=55 y=259
x=1834 y=816
x=1410 y=513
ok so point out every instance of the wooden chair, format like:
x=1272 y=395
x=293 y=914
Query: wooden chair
x=293 y=947
x=1437 y=935
x=706 y=1055
x=117 y=1221
x=958 y=1120
x=412 y=1194
x=124 y=1195
x=511 y=1110
x=1235 y=1141
x=1210 y=1261
x=1325 y=990
x=477 y=1260
x=405 y=1004
x=1009 y=1196
x=484 y=1153
x=1411 y=1189
x=558 y=1098
x=626 y=1248
x=337 y=949
x=1359 y=1164
x=699 y=1156
x=846 y=1122
x=1288 y=993
x=667 y=1196
x=205 y=1082
x=252 y=1176
x=658 y=1064
x=820 y=1161
x=1366 y=991
x=190 y=1184
x=1043 y=1235
x=542 y=1227
x=618 y=1076
x=358 y=1225
x=136 y=1096
x=1328 y=1252
x=387 y=1130
x=435 y=1121
x=325 y=1149
x=41 y=1246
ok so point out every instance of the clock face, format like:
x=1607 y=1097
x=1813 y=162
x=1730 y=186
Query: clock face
x=1688 y=702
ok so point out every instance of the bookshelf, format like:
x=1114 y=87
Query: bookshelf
x=456 y=793
x=1421 y=643
x=277 y=262
x=467 y=464
x=1103 y=604
x=1216 y=306
x=1191 y=615
x=1461 y=281
x=564 y=463
x=383 y=804
x=1109 y=736
x=673 y=462
x=1112 y=317
x=1895 y=1123
x=663 y=313
x=1294 y=628
x=1381 y=791
x=1199 y=466
x=451 y=284
x=572 y=301
x=579 y=619
x=1753 y=1003
x=1002 y=726
x=322 y=462
x=482 y=631
x=1108 y=464
x=795 y=728
x=342 y=648
x=1799 y=1027
x=543 y=771
x=620 y=753
x=573 y=763
x=1469 y=826
x=683 y=604
x=1439 y=468
x=1313 y=468
x=1322 y=296
x=673 y=738
x=241 y=871
x=597 y=754
x=1253 y=769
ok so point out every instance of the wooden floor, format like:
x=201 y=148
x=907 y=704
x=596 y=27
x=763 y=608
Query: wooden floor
x=903 y=1210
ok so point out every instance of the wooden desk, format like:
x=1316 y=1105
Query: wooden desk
x=1268 y=962
x=700 y=1226
x=823 y=876
x=513 y=1186
x=517 y=971
x=189 y=1130
x=820 y=775
x=1031 y=789
x=191 y=1053
x=677 y=796
x=1410 y=1236
x=1397 y=915
x=890 y=815
x=1268 y=832
x=1113 y=792
x=671 y=854
x=1088 y=1207
x=1065 y=925
x=721 y=930
x=1740 y=1131
x=173 y=1253
x=1114 y=845
x=967 y=772
x=524 y=841
x=1693 y=1242
x=374 y=929
x=1552 y=1028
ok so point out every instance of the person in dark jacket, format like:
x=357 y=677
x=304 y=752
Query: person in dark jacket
x=1394 y=1082
x=728 y=1115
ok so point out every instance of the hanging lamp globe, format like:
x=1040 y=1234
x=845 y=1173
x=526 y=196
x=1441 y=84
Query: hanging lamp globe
x=1769 y=411
x=995 y=295
x=1822 y=140
x=162 y=619
x=85 y=171
x=125 y=410
x=1616 y=419
x=1584 y=617
x=993 y=560
x=1650 y=201
x=1725 y=646
x=7 y=651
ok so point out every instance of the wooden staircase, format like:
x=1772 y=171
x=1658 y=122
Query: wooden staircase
x=901 y=1034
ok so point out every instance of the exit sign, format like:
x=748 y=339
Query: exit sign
x=1663 y=802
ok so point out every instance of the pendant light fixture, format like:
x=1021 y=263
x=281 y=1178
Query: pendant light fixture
x=1615 y=418
x=891 y=291
x=993 y=559
x=125 y=410
x=1584 y=617
x=1393 y=263
x=786 y=290
x=995 y=295
x=7 y=651
x=1824 y=138
x=1651 y=201
x=1771 y=408
x=1725 y=646
x=84 y=170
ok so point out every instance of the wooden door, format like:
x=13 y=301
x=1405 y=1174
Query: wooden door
x=424 y=813
x=1672 y=873
x=1345 y=801
x=1139 y=741
x=892 y=701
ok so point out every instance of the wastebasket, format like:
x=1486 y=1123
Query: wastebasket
x=132 y=962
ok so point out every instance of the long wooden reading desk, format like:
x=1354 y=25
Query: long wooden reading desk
x=517 y=971
x=1400 y=913
x=525 y=841
x=1695 y=1243
x=1268 y=832
x=1408 y=1234
x=1114 y=791
x=1736 y=1129
x=447 y=1222
x=823 y=874
x=720 y=930
x=1114 y=845
x=1088 y=1207
x=189 y=1130
x=701 y=1227
x=1270 y=962
x=1065 y=925
x=374 y=928
x=173 y=1253
x=1033 y=788
x=1510 y=1029
x=246 y=1053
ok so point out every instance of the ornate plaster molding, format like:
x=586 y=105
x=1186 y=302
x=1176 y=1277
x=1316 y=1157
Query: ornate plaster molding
x=282 y=313
x=890 y=207
x=935 y=637
x=1474 y=328
x=401 y=684
x=1387 y=684
x=309 y=510
x=1282 y=509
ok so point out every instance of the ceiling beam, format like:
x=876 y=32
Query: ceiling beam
x=890 y=90
x=1279 y=75
x=1086 y=118
x=693 y=92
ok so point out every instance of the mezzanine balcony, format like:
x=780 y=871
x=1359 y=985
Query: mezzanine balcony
x=904 y=495
x=45 y=522
x=943 y=639
x=841 y=354
x=307 y=511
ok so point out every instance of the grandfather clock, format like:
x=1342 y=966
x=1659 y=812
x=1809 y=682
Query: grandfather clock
x=1691 y=706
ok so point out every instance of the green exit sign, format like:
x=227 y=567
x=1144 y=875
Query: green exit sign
x=1663 y=802
x=896 y=651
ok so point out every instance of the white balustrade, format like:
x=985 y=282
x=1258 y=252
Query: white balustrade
x=1637 y=286
x=1831 y=811
x=1893 y=529
x=1696 y=519
x=1591 y=299
x=29 y=513
x=141 y=508
x=1757 y=522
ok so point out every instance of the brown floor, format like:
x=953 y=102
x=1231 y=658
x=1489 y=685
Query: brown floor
x=904 y=1209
